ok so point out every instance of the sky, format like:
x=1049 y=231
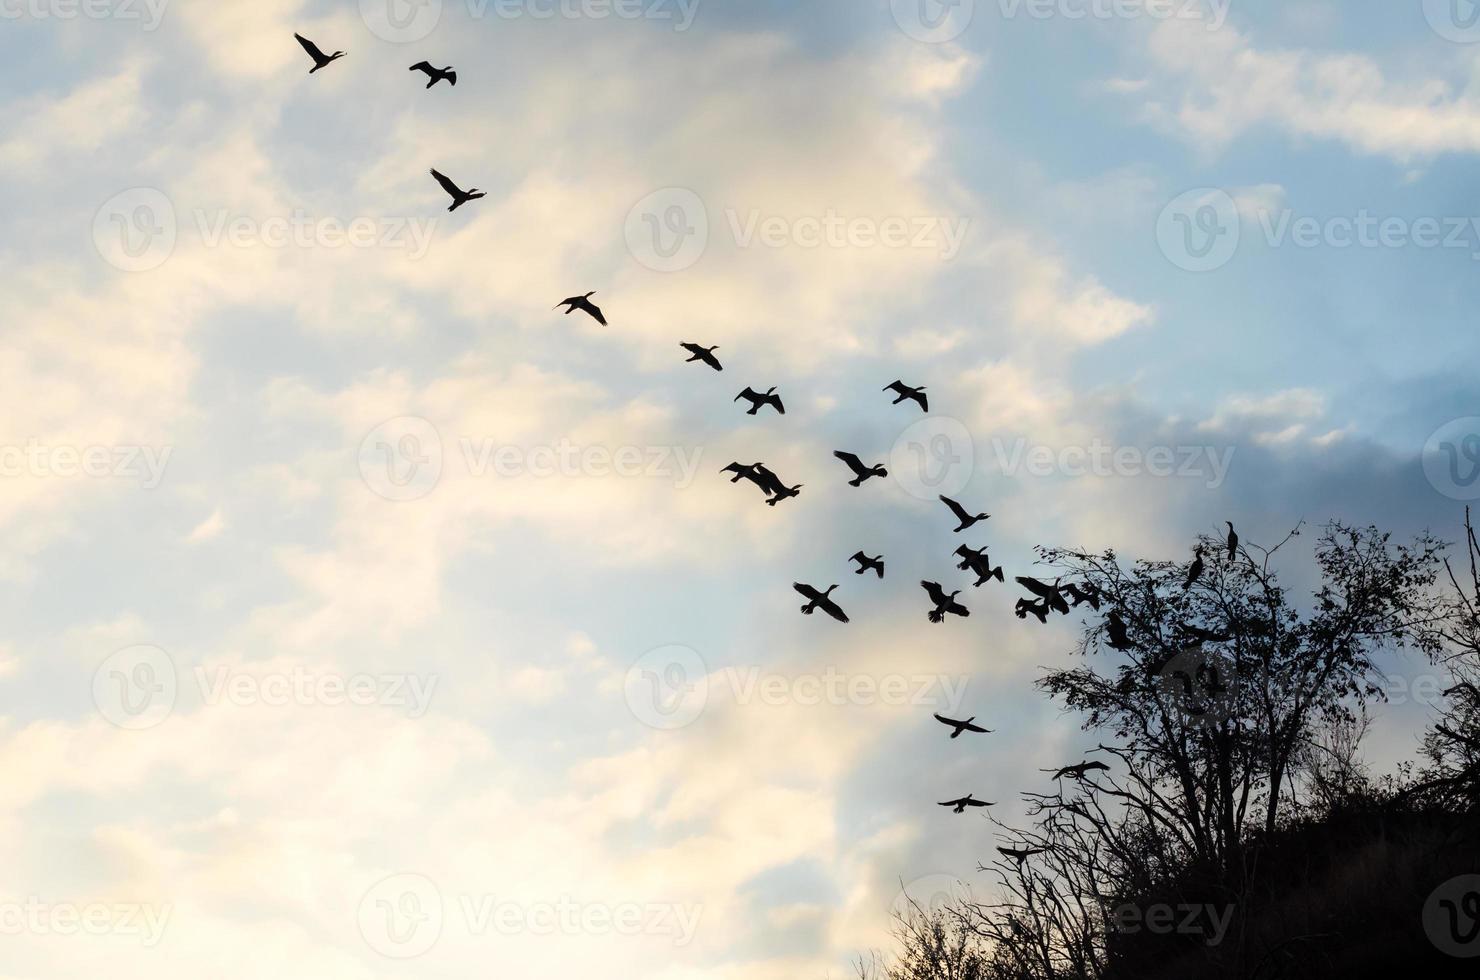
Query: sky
x=368 y=618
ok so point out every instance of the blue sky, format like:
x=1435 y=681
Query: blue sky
x=291 y=438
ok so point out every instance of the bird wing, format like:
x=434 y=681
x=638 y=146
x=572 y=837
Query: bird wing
x=1034 y=586
x=860 y=557
x=447 y=185
x=951 y=803
x=895 y=386
x=806 y=590
x=854 y=463
x=747 y=393
x=310 y=47
x=421 y=66
x=924 y=400
x=834 y=610
x=769 y=480
x=452 y=77
x=594 y=310
x=936 y=595
x=956 y=508
x=975 y=728
x=977 y=803
x=946 y=721
x=779 y=406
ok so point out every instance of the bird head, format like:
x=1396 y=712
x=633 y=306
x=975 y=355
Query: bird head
x=590 y=294
x=829 y=590
x=771 y=390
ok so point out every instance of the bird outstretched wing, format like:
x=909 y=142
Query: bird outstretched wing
x=421 y=66
x=310 y=47
x=447 y=185
x=854 y=463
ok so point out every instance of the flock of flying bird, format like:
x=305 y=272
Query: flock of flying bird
x=1050 y=597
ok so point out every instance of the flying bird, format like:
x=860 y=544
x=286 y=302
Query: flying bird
x=1078 y=771
x=943 y=603
x=905 y=391
x=319 y=58
x=959 y=806
x=1050 y=594
x=1081 y=594
x=962 y=726
x=865 y=563
x=435 y=74
x=743 y=472
x=784 y=493
x=1195 y=570
x=860 y=472
x=573 y=303
x=705 y=354
x=976 y=560
x=1038 y=608
x=820 y=600
x=459 y=196
x=770 y=482
x=1200 y=635
x=961 y=515
x=759 y=401
x=1022 y=854
x=1232 y=542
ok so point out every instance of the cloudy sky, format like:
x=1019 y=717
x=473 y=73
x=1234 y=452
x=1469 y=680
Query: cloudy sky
x=367 y=618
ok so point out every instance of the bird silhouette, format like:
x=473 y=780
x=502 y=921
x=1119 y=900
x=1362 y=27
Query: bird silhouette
x=784 y=493
x=1195 y=570
x=962 y=726
x=319 y=58
x=459 y=196
x=865 y=563
x=959 y=806
x=1199 y=635
x=1232 y=542
x=976 y=560
x=1078 y=770
x=860 y=472
x=905 y=391
x=759 y=401
x=705 y=354
x=943 y=603
x=743 y=472
x=1050 y=594
x=1038 y=608
x=770 y=482
x=573 y=303
x=967 y=520
x=1021 y=854
x=1080 y=594
x=1115 y=626
x=820 y=600
x=435 y=75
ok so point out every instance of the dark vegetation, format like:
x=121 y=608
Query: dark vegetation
x=1237 y=833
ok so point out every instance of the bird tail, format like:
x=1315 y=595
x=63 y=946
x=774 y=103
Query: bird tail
x=937 y=616
x=996 y=573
